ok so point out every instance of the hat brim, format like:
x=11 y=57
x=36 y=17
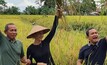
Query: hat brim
x=44 y=32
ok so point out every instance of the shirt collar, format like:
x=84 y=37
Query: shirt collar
x=89 y=44
x=12 y=41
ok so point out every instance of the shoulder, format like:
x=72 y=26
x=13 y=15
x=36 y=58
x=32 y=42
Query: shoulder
x=19 y=42
x=30 y=47
x=1 y=35
x=84 y=48
x=103 y=39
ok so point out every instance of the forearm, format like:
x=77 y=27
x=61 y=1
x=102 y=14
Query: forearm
x=24 y=59
x=53 y=30
x=79 y=62
x=55 y=23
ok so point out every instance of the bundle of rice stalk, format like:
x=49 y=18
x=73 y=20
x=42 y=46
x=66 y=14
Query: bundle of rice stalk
x=59 y=3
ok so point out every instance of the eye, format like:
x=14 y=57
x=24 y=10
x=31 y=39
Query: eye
x=96 y=32
x=15 y=30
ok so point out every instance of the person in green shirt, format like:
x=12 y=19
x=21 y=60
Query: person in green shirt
x=11 y=50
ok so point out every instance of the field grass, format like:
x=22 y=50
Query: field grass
x=67 y=41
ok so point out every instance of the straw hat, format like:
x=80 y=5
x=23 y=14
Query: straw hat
x=37 y=29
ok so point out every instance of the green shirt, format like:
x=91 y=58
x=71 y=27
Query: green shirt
x=10 y=51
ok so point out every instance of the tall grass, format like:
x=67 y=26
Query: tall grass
x=67 y=41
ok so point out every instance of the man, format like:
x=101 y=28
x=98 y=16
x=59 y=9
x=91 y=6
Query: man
x=11 y=50
x=94 y=53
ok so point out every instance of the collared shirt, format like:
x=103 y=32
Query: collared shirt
x=94 y=54
x=10 y=51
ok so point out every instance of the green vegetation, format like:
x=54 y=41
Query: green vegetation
x=69 y=37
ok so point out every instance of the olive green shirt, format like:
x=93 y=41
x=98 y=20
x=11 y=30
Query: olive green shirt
x=10 y=51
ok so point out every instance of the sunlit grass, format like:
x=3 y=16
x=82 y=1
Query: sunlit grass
x=65 y=45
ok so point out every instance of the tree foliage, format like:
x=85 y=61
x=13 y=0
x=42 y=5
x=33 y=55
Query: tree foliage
x=12 y=10
x=2 y=7
x=70 y=7
x=31 y=10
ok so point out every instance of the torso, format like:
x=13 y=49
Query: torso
x=95 y=54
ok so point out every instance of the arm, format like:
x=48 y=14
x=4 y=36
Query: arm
x=2 y=37
x=23 y=58
x=41 y=63
x=106 y=38
x=80 y=57
x=79 y=62
x=29 y=56
x=52 y=32
x=55 y=24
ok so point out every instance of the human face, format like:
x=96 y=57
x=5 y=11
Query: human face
x=39 y=36
x=11 y=32
x=93 y=36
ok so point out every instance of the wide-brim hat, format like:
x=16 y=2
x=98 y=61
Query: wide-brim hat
x=37 y=29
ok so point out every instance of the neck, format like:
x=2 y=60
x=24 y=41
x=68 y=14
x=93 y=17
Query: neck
x=11 y=39
x=93 y=43
x=37 y=42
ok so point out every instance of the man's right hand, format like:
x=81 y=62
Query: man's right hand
x=41 y=63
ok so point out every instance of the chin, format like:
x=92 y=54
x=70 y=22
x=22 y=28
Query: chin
x=95 y=41
x=13 y=38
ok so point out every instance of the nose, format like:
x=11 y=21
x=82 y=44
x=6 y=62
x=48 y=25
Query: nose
x=14 y=31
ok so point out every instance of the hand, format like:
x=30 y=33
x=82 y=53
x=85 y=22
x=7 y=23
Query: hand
x=59 y=12
x=28 y=62
x=41 y=63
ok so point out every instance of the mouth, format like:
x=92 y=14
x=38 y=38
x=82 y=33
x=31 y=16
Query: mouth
x=95 y=37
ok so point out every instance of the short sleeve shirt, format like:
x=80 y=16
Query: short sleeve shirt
x=94 y=54
x=10 y=51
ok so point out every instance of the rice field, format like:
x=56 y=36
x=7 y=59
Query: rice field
x=69 y=37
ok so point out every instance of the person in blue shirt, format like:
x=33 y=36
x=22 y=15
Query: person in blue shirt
x=93 y=53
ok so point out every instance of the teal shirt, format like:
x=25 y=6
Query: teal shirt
x=10 y=51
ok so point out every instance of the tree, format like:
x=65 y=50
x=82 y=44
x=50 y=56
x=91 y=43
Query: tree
x=87 y=6
x=12 y=10
x=47 y=8
x=49 y=3
x=3 y=5
x=104 y=7
x=30 y=10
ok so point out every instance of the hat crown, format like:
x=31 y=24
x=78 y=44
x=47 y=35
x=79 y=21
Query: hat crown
x=36 y=29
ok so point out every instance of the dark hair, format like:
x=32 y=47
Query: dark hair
x=87 y=31
x=6 y=26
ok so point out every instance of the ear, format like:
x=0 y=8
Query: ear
x=5 y=32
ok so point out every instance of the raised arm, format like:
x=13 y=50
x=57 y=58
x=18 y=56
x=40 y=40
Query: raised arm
x=1 y=36
x=55 y=24
x=53 y=30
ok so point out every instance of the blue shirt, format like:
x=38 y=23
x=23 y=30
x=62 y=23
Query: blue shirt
x=94 y=54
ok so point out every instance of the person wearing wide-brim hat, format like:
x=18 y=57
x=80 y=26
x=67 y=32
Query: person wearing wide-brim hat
x=40 y=49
